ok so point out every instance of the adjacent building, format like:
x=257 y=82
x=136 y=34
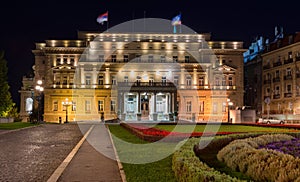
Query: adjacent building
x=137 y=76
x=281 y=77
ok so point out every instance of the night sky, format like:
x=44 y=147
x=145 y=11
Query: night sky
x=26 y=22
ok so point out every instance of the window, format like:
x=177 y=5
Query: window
x=138 y=58
x=289 y=71
x=277 y=74
x=189 y=106
x=215 y=108
x=268 y=91
x=230 y=81
x=188 y=80
x=162 y=59
x=113 y=80
x=159 y=103
x=126 y=79
x=175 y=59
x=186 y=59
x=162 y=47
x=100 y=105
x=175 y=47
x=224 y=107
x=277 y=90
x=65 y=60
x=65 y=80
x=101 y=58
x=223 y=81
x=55 y=105
x=72 y=60
x=100 y=80
x=151 y=80
x=125 y=58
x=290 y=55
x=112 y=105
x=113 y=58
x=58 y=60
x=88 y=79
x=289 y=88
x=150 y=59
x=201 y=107
x=73 y=106
x=88 y=106
x=217 y=81
x=176 y=80
x=130 y=107
x=201 y=81
x=164 y=80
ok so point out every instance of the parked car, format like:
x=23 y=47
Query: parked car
x=270 y=120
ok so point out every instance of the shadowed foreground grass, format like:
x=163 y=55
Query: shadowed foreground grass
x=14 y=125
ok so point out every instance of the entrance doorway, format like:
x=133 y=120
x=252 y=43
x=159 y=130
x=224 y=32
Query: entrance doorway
x=145 y=106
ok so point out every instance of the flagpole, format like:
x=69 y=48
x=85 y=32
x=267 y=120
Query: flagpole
x=107 y=23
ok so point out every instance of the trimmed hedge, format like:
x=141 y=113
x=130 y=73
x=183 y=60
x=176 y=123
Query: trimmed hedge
x=261 y=164
x=188 y=167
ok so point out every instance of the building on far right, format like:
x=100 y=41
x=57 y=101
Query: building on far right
x=281 y=78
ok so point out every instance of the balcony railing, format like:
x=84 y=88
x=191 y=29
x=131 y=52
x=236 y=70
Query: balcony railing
x=267 y=81
x=277 y=64
x=277 y=79
x=288 y=61
x=288 y=94
x=146 y=84
x=288 y=77
x=276 y=96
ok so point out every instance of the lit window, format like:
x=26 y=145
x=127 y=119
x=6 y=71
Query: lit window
x=55 y=105
x=73 y=106
x=87 y=106
x=189 y=106
x=88 y=80
x=100 y=105
x=112 y=105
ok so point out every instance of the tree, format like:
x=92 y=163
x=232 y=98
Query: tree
x=6 y=103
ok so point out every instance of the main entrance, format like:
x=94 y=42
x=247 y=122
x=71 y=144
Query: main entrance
x=145 y=106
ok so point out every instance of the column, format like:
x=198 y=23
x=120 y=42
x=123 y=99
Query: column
x=82 y=77
x=154 y=99
x=171 y=102
x=175 y=101
x=107 y=78
x=94 y=79
x=195 y=77
x=139 y=102
x=206 y=76
x=167 y=104
x=182 y=78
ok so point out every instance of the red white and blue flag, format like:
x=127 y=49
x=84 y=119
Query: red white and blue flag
x=176 y=20
x=102 y=18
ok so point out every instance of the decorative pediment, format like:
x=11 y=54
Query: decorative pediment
x=224 y=68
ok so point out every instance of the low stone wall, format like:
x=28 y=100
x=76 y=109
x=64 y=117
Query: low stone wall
x=6 y=120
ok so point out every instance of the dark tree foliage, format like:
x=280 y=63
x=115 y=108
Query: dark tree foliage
x=6 y=103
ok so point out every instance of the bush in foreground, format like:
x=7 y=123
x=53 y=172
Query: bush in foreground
x=261 y=164
x=188 y=167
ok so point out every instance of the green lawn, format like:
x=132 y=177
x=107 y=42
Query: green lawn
x=155 y=171
x=14 y=125
x=220 y=128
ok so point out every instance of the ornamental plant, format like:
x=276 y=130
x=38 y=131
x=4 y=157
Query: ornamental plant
x=245 y=155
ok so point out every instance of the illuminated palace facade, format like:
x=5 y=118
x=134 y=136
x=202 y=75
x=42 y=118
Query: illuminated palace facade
x=144 y=76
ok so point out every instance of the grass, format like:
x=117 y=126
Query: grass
x=156 y=171
x=14 y=125
x=221 y=128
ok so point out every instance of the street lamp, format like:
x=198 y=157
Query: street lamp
x=38 y=97
x=66 y=104
x=228 y=109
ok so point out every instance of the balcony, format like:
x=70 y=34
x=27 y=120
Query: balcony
x=277 y=79
x=288 y=77
x=276 y=96
x=288 y=61
x=267 y=81
x=277 y=64
x=289 y=94
x=268 y=66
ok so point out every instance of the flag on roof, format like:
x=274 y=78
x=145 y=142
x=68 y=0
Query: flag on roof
x=176 y=20
x=103 y=17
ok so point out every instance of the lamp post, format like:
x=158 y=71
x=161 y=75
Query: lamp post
x=228 y=109
x=66 y=103
x=38 y=97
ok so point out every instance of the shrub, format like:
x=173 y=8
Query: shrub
x=261 y=164
x=188 y=167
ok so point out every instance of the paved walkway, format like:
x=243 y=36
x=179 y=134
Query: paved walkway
x=94 y=159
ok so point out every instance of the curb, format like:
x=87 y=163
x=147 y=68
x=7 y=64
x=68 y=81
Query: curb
x=60 y=169
x=122 y=173
x=19 y=129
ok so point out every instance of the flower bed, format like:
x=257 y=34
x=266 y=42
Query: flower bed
x=261 y=164
x=154 y=134
x=291 y=147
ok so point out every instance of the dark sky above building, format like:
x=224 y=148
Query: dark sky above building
x=25 y=22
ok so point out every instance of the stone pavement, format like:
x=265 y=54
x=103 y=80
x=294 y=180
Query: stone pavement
x=94 y=160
